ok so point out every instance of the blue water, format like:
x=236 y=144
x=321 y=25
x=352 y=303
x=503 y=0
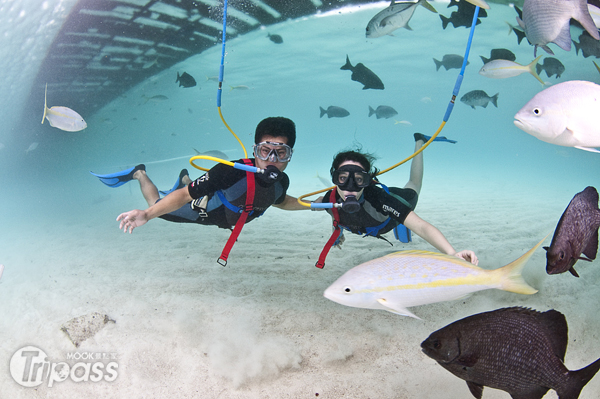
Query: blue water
x=48 y=191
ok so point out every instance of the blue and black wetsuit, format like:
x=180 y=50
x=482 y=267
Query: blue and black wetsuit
x=220 y=194
x=380 y=211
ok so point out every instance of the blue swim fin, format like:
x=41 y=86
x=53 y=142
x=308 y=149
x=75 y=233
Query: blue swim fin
x=402 y=233
x=178 y=184
x=421 y=136
x=119 y=178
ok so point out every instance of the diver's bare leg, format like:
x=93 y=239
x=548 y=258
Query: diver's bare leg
x=149 y=190
x=416 y=169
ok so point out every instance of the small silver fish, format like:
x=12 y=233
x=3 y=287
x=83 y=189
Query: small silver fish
x=62 y=118
x=212 y=153
x=31 y=147
x=500 y=69
x=155 y=99
x=239 y=87
x=395 y=16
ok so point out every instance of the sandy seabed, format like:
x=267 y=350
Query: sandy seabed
x=260 y=327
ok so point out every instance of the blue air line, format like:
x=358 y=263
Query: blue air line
x=219 y=92
x=457 y=85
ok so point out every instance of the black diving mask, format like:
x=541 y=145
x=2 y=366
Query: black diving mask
x=351 y=178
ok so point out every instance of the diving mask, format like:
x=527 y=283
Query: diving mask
x=351 y=178
x=273 y=152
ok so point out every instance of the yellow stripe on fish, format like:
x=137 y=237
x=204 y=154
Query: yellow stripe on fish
x=411 y=278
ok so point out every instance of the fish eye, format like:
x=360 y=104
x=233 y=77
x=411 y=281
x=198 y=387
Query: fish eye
x=537 y=111
x=437 y=344
x=347 y=290
x=561 y=255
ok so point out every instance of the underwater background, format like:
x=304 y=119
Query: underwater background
x=497 y=191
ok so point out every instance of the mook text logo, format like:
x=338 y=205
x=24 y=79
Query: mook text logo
x=30 y=367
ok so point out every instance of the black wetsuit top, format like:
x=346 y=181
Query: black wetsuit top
x=377 y=207
x=231 y=183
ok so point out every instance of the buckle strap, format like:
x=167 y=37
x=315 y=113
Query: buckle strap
x=250 y=190
x=334 y=236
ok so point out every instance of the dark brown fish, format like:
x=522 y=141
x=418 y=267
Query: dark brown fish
x=517 y=350
x=362 y=74
x=576 y=233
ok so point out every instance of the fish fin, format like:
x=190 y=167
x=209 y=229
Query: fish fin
x=347 y=65
x=371 y=111
x=573 y=272
x=396 y=309
x=563 y=40
x=510 y=275
x=586 y=20
x=323 y=112
x=587 y=149
x=549 y=51
x=591 y=248
x=438 y=64
x=576 y=380
x=532 y=69
x=45 y=104
x=555 y=328
x=520 y=22
x=476 y=389
x=467 y=361
x=596 y=65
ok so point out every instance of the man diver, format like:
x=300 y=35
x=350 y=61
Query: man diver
x=219 y=197
x=372 y=210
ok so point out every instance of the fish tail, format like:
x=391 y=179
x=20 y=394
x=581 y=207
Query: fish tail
x=428 y=6
x=445 y=21
x=347 y=65
x=577 y=47
x=532 y=69
x=438 y=64
x=178 y=78
x=510 y=275
x=577 y=380
x=494 y=100
x=371 y=111
x=323 y=112
x=45 y=104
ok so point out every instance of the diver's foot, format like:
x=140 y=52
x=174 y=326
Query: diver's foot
x=139 y=172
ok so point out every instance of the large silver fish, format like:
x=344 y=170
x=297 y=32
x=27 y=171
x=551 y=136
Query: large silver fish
x=548 y=21
x=566 y=114
x=396 y=16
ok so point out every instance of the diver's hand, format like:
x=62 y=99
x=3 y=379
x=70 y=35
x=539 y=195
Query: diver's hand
x=132 y=219
x=340 y=242
x=468 y=255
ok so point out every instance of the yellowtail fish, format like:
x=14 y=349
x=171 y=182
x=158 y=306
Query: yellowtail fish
x=63 y=118
x=411 y=278
x=500 y=69
x=480 y=3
